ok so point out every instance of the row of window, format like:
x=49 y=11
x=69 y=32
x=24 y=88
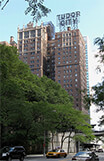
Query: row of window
x=66 y=66
x=67 y=80
x=66 y=57
x=66 y=62
x=66 y=76
x=35 y=69
x=70 y=85
x=28 y=34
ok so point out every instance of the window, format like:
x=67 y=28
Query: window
x=32 y=53
x=74 y=33
x=31 y=66
x=32 y=33
x=58 y=36
x=25 y=49
x=67 y=71
x=32 y=57
x=25 y=58
x=59 y=81
x=70 y=75
x=59 y=45
x=63 y=35
x=39 y=32
x=64 y=81
x=25 y=53
x=32 y=70
x=32 y=61
x=33 y=48
x=70 y=80
x=25 y=41
x=26 y=34
x=20 y=35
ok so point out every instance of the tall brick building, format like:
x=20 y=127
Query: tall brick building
x=60 y=56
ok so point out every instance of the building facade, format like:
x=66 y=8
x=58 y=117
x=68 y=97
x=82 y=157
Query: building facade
x=60 y=56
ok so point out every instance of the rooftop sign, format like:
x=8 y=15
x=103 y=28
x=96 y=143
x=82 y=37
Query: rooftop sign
x=68 y=19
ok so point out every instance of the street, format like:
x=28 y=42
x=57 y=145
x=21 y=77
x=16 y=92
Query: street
x=43 y=158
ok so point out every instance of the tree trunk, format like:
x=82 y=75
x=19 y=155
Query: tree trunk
x=62 y=139
x=69 y=142
x=52 y=140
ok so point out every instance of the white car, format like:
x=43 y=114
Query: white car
x=85 y=156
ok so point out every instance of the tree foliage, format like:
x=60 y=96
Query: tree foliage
x=26 y=100
x=98 y=90
x=31 y=105
x=35 y=7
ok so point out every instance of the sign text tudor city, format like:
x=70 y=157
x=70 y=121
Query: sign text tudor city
x=71 y=19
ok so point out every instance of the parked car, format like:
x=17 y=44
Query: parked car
x=85 y=156
x=9 y=153
x=4 y=153
x=56 y=153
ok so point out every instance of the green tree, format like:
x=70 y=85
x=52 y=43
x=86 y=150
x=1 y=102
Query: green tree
x=35 y=7
x=98 y=97
x=22 y=110
x=74 y=123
